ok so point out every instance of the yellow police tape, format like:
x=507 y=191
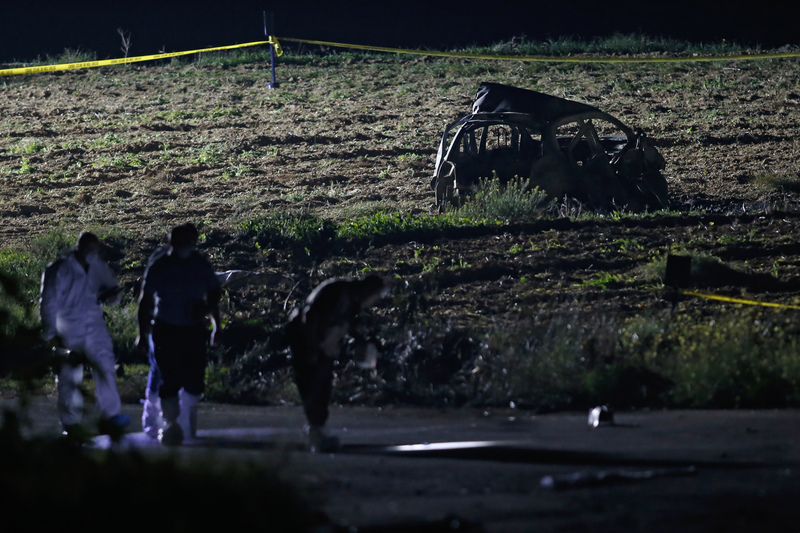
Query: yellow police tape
x=730 y=299
x=124 y=60
x=463 y=55
x=551 y=59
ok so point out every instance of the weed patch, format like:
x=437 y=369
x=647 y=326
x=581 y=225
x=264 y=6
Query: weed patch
x=388 y=224
x=511 y=202
x=738 y=358
x=302 y=233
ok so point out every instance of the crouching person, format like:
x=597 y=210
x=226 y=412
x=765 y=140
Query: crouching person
x=314 y=333
x=74 y=288
x=180 y=291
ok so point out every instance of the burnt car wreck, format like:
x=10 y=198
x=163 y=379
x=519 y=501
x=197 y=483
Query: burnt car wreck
x=564 y=148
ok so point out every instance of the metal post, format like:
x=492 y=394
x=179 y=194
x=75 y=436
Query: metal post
x=269 y=31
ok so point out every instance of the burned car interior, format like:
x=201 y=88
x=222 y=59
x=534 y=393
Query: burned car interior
x=565 y=148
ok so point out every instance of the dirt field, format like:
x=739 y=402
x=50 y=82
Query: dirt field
x=130 y=151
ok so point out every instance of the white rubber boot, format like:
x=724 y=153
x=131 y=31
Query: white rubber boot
x=151 y=414
x=319 y=441
x=188 y=417
x=171 y=434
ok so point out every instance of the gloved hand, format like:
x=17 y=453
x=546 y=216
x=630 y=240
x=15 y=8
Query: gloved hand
x=214 y=334
x=365 y=352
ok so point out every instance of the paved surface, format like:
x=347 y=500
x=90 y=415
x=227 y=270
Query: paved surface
x=651 y=471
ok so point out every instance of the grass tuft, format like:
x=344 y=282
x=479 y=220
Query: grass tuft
x=303 y=233
x=514 y=201
x=615 y=44
x=787 y=181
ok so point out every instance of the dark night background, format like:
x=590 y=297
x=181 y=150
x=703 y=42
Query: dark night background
x=37 y=29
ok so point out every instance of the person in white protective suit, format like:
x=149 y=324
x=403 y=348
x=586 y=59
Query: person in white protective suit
x=73 y=290
x=179 y=292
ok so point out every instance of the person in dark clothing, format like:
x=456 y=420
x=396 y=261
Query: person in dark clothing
x=179 y=293
x=314 y=333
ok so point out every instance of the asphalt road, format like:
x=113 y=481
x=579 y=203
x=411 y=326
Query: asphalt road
x=509 y=470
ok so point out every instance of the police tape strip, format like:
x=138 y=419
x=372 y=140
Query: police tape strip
x=730 y=299
x=463 y=55
x=124 y=60
x=550 y=59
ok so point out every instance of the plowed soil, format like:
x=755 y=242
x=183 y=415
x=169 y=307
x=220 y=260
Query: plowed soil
x=130 y=151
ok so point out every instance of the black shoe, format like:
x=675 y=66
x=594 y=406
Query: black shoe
x=319 y=441
x=114 y=426
x=76 y=434
x=172 y=435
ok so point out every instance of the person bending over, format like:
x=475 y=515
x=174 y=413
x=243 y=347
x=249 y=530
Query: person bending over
x=314 y=333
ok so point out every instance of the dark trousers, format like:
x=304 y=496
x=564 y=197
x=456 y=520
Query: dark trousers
x=180 y=353
x=313 y=372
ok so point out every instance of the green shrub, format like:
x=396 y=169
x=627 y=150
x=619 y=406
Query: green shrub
x=616 y=44
x=69 y=55
x=736 y=358
x=232 y=58
x=384 y=224
x=22 y=269
x=302 y=232
x=514 y=201
x=15 y=306
x=123 y=327
x=787 y=181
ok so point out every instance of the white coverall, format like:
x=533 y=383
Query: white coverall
x=70 y=310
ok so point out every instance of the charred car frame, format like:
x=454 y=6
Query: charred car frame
x=564 y=148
